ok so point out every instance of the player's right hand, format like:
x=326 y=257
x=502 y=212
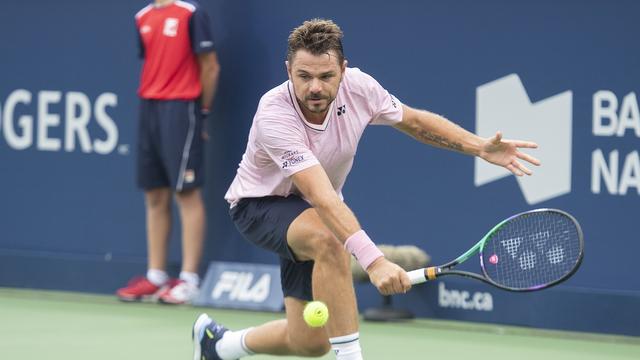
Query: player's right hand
x=388 y=277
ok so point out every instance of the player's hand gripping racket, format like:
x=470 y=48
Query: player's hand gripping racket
x=529 y=251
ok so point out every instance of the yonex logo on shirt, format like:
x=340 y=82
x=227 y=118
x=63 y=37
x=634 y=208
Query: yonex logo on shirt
x=393 y=102
x=292 y=161
x=342 y=109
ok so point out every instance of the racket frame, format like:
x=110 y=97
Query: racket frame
x=434 y=272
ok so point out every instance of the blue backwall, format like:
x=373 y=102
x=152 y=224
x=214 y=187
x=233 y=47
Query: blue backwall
x=72 y=219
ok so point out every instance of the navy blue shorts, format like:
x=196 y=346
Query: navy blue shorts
x=264 y=222
x=170 y=145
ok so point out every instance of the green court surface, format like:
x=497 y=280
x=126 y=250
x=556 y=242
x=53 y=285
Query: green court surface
x=72 y=326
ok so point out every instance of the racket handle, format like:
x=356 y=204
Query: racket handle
x=417 y=276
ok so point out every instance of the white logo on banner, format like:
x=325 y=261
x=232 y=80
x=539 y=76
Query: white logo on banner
x=239 y=286
x=504 y=105
x=57 y=121
x=618 y=171
x=461 y=299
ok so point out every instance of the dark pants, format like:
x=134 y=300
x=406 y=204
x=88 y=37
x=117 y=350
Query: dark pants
x=265 y=222
x=170 y=145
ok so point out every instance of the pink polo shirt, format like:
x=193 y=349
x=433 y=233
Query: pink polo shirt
x=281 y=142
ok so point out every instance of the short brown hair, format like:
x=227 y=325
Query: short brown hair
x=317 y=36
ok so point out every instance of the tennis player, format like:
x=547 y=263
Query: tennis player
x=286 y=196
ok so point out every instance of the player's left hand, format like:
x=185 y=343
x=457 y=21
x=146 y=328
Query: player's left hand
x=506 y=153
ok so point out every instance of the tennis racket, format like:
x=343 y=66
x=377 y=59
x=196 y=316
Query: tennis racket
x=529 y=251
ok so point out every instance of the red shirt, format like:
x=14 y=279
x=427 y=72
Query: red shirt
x=170 y=39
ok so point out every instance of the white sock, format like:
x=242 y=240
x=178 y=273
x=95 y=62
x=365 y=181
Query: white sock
x=191 y=278
x=157 y=277
x=232 y=345
x=347 y=347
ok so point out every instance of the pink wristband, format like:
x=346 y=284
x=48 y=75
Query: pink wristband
x=360 y=245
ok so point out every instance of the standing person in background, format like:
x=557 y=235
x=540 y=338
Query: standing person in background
x=177 y=86
x=287 y=195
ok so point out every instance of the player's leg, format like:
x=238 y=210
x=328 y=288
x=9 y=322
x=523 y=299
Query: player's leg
x=152 y=178
x=309 y=238
x=265 y=222
x=329 y=275
x=192 y=215
x=332 y=283
x=158 y=223
x=295 y=337
x=182 y=149
x=290 y=336
x=285 y=337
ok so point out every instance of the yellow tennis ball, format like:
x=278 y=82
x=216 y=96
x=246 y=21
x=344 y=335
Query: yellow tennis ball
x=315 y=314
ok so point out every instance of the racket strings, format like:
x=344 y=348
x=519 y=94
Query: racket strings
x=532 y=250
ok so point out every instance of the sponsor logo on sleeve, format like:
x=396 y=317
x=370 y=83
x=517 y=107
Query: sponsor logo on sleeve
x=291 y=158
x=393 y=102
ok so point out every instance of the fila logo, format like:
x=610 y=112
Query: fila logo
x=503 y=104
x=171 y=27
x=240 y=286
x=342 y=109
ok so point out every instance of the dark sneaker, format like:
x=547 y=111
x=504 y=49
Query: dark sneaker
x=205 y=334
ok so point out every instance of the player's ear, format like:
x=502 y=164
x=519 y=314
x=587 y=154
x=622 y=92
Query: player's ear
x=288 y=66
x=344 y=65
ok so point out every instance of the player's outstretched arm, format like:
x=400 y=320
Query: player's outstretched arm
x=435 y=130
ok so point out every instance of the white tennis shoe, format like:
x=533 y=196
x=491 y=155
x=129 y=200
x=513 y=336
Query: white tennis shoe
x=182 y=292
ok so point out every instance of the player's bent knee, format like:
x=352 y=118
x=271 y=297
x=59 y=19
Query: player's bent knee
x=308 y=342
x=326 y=244
x=332 y=252
x=315 y=348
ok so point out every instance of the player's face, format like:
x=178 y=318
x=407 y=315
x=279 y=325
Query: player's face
x=316 y=79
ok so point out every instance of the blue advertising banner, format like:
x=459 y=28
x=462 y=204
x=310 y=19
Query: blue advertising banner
x=241 y=286
x=560 y=308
